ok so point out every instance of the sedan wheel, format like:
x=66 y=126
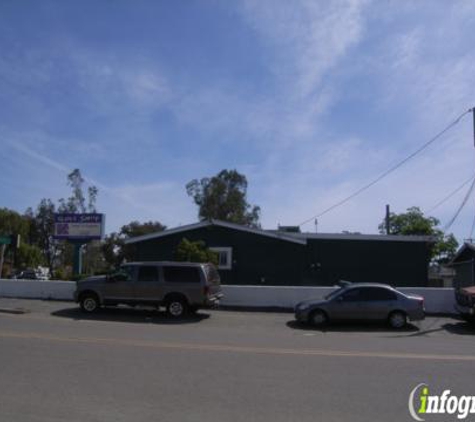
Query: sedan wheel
x=397 y=319
x=318 y=318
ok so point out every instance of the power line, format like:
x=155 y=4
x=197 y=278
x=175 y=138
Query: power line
x=465 y=199
x=390 y=170
x=450 y=195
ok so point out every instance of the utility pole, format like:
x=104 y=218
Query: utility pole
x=2 y=255
x=387 y=220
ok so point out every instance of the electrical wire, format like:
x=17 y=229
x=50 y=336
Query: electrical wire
x=465 y=199
x=450 y=195
x=390 y=170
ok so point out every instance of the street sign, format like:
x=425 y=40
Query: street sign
x=5 y=240
x=79 y=226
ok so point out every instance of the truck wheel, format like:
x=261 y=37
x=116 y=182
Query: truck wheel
x=177 y=307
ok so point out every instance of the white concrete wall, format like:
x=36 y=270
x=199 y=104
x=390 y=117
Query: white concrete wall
x=437 y=300
x=37 y=289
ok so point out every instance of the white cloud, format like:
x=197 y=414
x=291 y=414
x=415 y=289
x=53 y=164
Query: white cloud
x=166 y=202
x=310 y=37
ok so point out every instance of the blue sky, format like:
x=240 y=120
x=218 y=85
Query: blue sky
x=309 y=99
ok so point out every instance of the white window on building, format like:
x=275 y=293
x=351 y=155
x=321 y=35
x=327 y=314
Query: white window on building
x=225 y=257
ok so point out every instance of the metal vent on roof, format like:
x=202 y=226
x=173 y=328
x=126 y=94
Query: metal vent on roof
x=289 y=229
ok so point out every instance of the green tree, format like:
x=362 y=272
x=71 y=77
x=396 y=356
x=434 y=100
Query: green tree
x=76 y=203
x=42 y=229
x=413 y=222
x=11 y=222
x=197 y=251
x=223 y=197
x=29 y=256
x=114 y=248
x=57 y=253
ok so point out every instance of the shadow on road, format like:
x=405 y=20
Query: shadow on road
x=458 y=326
x=358 y=327
x=130 y=315
x=461 y=328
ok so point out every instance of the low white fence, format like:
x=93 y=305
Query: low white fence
x=37 y=289
x=437 y=300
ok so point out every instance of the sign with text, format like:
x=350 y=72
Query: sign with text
x=79 y=226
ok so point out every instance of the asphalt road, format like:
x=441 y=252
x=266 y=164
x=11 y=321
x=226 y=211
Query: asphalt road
x=137 y=365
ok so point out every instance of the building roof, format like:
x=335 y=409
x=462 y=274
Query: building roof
x=359 y=236
x=300 y=238
x=459 y=256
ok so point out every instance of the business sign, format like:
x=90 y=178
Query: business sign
x=79 y=226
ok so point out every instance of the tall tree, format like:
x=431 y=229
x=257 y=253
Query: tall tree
x=76 y=203
x=413 y=222
x=224 y=197
x=42 y=220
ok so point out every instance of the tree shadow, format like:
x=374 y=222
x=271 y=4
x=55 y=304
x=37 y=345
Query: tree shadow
x=352 y=327
x=130 y=315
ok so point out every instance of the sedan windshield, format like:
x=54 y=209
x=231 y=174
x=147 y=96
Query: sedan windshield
x=332 y=294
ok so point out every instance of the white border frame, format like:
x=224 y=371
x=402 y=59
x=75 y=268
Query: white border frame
x=229 y=252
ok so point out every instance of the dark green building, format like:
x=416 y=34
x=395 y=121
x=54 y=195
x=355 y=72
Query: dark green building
x=250 y=256
x=464 y=265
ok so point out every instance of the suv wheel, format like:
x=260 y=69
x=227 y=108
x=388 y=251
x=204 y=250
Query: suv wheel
x=177 y=307
x=89 y=303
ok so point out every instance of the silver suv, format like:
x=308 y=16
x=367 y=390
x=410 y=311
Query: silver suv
x=180 y=287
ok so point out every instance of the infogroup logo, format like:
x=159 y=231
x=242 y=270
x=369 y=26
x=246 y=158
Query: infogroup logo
x=422 y=403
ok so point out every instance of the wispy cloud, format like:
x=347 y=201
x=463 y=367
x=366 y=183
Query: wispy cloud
x=340 y=90
x=309 y=37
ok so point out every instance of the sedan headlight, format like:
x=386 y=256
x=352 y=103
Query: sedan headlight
x=303 y=306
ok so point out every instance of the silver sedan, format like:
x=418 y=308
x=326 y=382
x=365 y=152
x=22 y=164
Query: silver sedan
x=362 y=302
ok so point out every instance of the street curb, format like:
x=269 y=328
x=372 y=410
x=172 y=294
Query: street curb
x=17 y=311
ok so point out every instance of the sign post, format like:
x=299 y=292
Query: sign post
x=79 y=229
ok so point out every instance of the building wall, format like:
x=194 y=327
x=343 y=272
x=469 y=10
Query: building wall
x=394 y=262
x=256 y=259
x=261 y=260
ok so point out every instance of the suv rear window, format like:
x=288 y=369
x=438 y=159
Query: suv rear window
x=181 y=274
x=212 y=274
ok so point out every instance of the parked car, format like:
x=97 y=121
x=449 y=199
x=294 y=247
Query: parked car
x=178 y=286
x=363 y=302
x=32 y=274
x=465 y=298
